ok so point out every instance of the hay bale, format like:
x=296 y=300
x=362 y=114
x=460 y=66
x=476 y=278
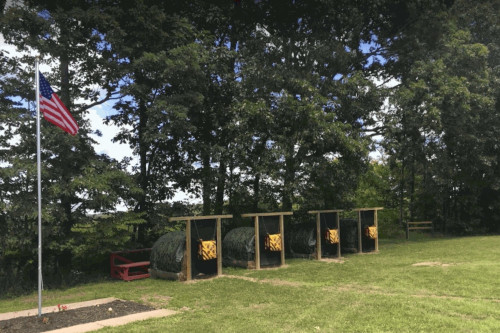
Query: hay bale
x=168 y=252
x=302 y=239
x=349 y=235
x=239 y=245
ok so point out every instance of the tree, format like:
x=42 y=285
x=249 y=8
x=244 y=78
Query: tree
x=311 y=93
x=64 y=36
x=442 y=133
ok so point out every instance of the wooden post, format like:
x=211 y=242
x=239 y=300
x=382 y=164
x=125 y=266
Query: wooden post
x=360 y=247
x=257 y=241
x=375 y=218
x=219 y=247
x=318 y=235
x=282 y=232
x=407 y=231
x=188 y=251
x=338 y=233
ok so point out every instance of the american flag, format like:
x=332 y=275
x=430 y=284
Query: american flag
x=54 y=110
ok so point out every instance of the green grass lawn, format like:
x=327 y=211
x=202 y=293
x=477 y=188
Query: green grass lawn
x=456 y=288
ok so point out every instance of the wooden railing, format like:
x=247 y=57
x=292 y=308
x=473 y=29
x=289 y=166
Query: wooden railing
x=424 y=225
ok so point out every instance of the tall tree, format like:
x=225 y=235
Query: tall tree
x=308 y=82
x=64 y=36
x=442 y=135
x=162 y=60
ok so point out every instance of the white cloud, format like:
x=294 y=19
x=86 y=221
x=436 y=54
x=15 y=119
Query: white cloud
x=105 y=144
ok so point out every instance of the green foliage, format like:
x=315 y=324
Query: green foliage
x=253 y=106
x=376 y=189
x=75 y=180
x=442 y=132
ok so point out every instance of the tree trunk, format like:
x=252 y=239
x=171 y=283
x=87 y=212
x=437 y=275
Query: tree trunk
x=401 y=193
x=221 y=182
x=288 y=183
x=205 y=180
x=66 y=99
x=412 y=190
x=63 y=260
x=143 y=177
x=256 y=192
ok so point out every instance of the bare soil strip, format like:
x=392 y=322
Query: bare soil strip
x=274 y=282
x=79 y=317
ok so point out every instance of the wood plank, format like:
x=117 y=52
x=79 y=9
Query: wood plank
x=325 y=211
x=420 y=228
x=338 y=232
x=266 y=214
x=429 y=222
x=188 y=251
x=365 y=209
x=219 y=247
x=257 y=239
x=360 y=244
x=318 y=236
x=134 y=264
x=207 y=217
x=375 y=220
x=282 y=232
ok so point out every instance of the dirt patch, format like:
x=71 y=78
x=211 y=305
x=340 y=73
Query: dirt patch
x=459 y=298
x=277 y=282
x=431 y=264
x=359 y=289
x=259 y=306
x=332 y=260
x=156 y=300
x=274 y=282
x=67 y=318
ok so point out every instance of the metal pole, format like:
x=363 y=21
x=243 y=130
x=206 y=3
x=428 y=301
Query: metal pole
x=39 y=172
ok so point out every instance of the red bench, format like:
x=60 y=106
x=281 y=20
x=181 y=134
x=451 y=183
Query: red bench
x=126 y=269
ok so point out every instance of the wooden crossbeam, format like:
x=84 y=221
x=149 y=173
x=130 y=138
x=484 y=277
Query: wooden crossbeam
x=266 y=214
x=325 y=211
x=192 y=218
x=365 y=209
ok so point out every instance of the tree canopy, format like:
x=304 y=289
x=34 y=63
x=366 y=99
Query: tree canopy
x=247 y=106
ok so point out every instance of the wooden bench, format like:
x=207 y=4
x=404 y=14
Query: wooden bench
x=424 y=225
x=127 y=269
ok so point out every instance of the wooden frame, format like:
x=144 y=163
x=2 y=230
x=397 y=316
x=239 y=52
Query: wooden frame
x=319 y=237
x=417 y=226
x=257 y=236
x=123 y=270
x=375 y=223
x=188 y=219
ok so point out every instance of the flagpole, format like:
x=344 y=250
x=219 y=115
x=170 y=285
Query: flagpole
x=39 y=171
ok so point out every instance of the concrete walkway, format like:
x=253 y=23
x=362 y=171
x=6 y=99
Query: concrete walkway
x=94 y=325
x=114 y=321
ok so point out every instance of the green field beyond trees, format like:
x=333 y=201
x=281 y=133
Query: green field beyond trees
x=429 y=285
